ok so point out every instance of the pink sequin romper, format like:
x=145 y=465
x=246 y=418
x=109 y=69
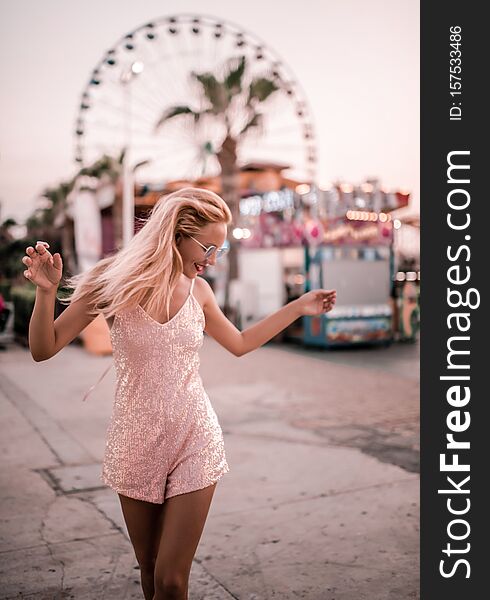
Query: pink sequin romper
x=164 y=437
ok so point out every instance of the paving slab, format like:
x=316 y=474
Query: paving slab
x=317 y=504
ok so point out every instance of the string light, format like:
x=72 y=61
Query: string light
x=362 y=215
x=302 y=188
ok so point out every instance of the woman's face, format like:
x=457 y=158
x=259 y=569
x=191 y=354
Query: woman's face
x=193 y=254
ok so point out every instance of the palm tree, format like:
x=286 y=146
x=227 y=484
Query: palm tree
x=234 y=105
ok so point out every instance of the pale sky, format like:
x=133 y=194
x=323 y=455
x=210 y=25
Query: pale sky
x=356 y=60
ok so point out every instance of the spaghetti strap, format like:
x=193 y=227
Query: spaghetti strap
x=192 y=286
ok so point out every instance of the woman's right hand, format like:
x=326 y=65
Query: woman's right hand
x=44 y=269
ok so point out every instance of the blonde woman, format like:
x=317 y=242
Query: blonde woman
x=164 y=450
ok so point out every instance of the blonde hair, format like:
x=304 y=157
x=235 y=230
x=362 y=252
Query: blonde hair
x=150 y=265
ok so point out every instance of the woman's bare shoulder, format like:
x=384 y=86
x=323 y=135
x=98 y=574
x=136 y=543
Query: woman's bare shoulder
x=202 y=286
x=203 y=290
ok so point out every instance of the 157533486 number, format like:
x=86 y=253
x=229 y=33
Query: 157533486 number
x=455 y=72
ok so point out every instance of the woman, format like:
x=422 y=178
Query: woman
x=164 y=451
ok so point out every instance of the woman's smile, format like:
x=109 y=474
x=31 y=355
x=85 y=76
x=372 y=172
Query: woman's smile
x=200 y=267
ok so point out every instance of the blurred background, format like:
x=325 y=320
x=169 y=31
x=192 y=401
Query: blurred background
x=306 y=121
x=304 y=116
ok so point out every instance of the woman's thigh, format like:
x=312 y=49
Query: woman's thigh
x=184 y=518
x=144 y=523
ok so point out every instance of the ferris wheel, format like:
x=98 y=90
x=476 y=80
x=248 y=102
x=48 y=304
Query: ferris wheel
x=151 y=69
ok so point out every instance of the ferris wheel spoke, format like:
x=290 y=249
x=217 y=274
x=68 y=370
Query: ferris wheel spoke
x=172 y=168
x=116 y=128
x=122 y=92
x=280 y=129
x=100 y=102
x=168 y=68
x=166 y=146
x=151 y=105
x=141 y=144
x=134 y=92
x=177 y=69
x=201 y=65
x=156 y=92
x=184 y=159
x=274 y=147
x=175 y=74
x=163 y=78
x=171 y=162
x=116 y=118
x=183 y=51
x=151 y=59
x=145 y=150
x=115 y=108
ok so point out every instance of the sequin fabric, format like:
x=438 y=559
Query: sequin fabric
x=163 y=437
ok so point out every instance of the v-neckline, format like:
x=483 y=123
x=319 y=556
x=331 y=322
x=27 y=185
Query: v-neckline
x=176 y=314
x=170 y=320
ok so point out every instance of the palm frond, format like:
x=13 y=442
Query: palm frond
x=233 y=80
x=260 y=89
x=142 y=163
x=255 y=121
x=214 y=91
x=105 y=165
x=173 y=111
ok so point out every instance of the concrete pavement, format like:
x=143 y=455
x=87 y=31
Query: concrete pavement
x=321 y=501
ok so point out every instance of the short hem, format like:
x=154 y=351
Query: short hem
x=190 y=489
x=129 y=493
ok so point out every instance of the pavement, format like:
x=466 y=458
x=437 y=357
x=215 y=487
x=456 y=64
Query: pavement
x=321 y=501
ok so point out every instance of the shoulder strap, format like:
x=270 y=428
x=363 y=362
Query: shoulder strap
x=192 y=285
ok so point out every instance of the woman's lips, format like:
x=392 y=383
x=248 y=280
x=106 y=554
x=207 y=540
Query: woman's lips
x=199 y=268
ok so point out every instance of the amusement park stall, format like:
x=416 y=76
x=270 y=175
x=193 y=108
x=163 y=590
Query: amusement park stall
x=271 y=254
x=289 y=251
x=355 y=258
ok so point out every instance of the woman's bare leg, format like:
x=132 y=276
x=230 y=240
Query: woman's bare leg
x=144 y=521
x=183 y=522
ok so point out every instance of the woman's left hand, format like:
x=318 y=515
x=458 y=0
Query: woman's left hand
x=316 y=302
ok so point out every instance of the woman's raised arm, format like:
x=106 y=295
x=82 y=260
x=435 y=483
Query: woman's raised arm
x=46 y=336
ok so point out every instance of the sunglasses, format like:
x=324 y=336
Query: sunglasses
x=209 y=250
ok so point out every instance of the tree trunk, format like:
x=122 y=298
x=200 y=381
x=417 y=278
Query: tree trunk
x=227 y=158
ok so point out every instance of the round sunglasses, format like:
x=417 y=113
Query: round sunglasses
x=209 y=250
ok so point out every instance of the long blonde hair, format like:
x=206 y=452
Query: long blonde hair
x=150 y=265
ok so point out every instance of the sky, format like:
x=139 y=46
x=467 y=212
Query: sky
x=357 y=61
